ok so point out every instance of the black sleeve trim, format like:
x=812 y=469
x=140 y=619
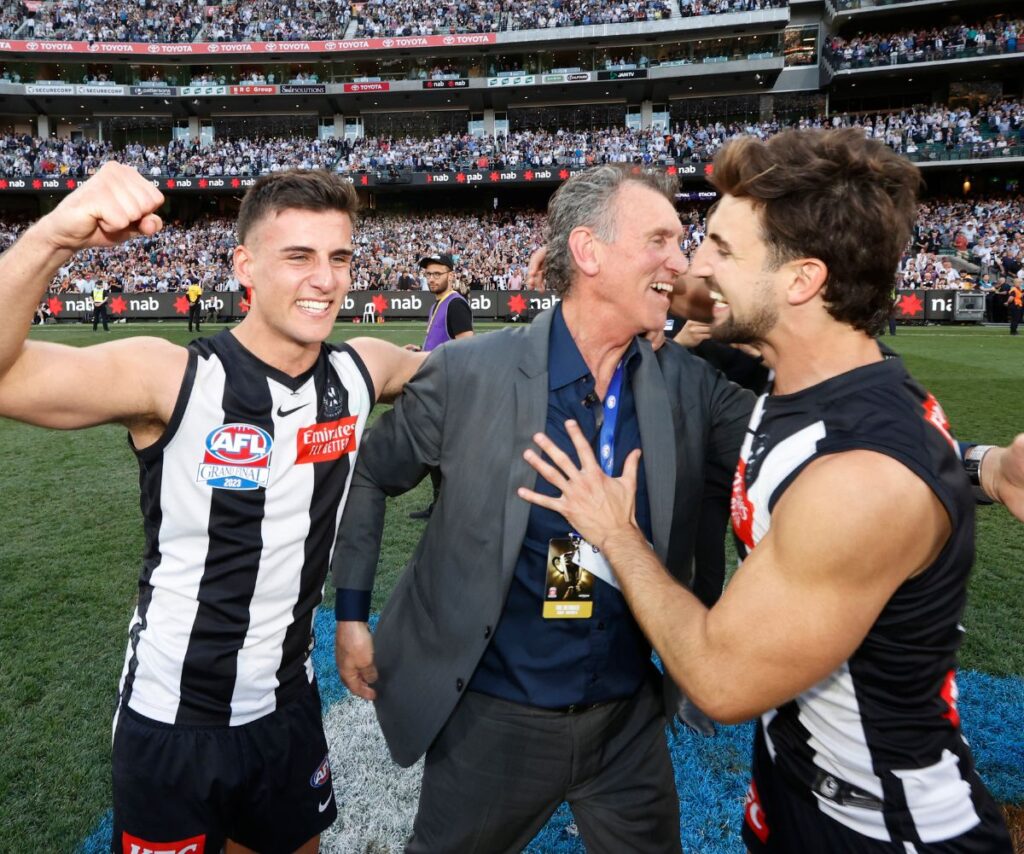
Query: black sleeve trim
x=184 y=394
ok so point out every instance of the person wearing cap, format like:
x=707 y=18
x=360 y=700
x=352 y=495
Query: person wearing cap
x=450 y=318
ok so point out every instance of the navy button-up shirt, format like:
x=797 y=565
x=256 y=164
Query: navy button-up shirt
x=557 y=663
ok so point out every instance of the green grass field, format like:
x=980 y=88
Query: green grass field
x=71 y=540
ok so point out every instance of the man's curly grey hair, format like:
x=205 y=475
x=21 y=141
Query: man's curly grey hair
x=588 y=199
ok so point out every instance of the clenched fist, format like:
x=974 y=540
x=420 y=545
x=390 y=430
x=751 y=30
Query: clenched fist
x=115 y=205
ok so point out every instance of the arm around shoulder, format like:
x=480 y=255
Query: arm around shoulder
x=399 y=450
x=390 y=367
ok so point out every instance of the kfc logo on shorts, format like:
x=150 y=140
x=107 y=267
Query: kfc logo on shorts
x=753 y=814
x=236 y=456
x=330 y=440
x=322 y=774
x=133 y=845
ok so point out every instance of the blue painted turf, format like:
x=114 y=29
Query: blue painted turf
x=711 y=773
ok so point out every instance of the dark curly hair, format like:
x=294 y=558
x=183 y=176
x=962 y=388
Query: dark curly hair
x=833 y=195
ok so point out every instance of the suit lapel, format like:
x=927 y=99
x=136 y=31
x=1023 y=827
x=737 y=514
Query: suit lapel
x=657 y=438
x=531 y=407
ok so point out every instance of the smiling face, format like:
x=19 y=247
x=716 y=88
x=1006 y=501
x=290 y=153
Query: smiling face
x=640 y=263
x=298 y=264
x=734 y=261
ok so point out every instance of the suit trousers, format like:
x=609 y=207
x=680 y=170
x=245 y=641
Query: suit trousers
x=498 y=771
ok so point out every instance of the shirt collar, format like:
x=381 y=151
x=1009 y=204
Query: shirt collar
x=565 y=364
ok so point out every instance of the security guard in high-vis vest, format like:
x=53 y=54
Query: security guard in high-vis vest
x=194 y=295
x=1015 y=302
x=99 y=307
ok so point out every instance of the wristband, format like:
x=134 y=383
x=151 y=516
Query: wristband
x=972 y=462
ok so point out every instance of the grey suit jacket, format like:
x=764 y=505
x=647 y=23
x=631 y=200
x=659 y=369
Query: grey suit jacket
x=472 y=410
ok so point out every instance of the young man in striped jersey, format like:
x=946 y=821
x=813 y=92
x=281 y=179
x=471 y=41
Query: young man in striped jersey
x=246 y=443
x=851 y=510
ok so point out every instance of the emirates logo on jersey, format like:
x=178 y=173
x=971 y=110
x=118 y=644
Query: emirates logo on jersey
x=753 y=814
x=741 y=508
x=320 y=443
x=934 y=415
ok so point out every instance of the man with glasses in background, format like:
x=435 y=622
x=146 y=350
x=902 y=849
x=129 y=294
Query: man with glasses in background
x=450 y=317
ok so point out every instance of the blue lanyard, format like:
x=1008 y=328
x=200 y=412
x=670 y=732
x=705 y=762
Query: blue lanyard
x=606 y=448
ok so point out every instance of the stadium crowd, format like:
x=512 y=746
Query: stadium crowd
x=12 y=16
x=984 y=237
x=958 y=243
x=275 y=20
x=934 y=131
x=997 y=35
x=688 y=8
x=545 y=14
x=117 y=21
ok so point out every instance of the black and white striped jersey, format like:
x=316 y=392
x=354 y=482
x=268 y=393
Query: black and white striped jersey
x=241 y=501
x=876 y=745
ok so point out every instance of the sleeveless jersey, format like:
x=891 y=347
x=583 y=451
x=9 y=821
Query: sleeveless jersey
x=876 y=745
x=241 y=500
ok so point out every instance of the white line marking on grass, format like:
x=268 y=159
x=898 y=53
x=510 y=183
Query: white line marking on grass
x=376 y=798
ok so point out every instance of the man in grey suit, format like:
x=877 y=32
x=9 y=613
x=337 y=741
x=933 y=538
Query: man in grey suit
x=521 y=699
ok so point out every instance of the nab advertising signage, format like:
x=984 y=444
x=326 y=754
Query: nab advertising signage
x=453 y=83
x=485 y=176
x=358 y=305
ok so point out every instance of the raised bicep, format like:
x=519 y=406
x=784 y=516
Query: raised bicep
x=808 y=593
x=62 y=387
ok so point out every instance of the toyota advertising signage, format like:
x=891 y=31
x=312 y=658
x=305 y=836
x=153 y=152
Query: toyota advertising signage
x=154 y=49
x=371 y=86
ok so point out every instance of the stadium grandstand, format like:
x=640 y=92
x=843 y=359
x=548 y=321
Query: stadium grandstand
x=455 y=121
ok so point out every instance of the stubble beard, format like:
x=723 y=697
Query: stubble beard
x=749 y=330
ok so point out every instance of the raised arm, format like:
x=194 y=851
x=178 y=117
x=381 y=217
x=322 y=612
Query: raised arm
x=68 y=387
